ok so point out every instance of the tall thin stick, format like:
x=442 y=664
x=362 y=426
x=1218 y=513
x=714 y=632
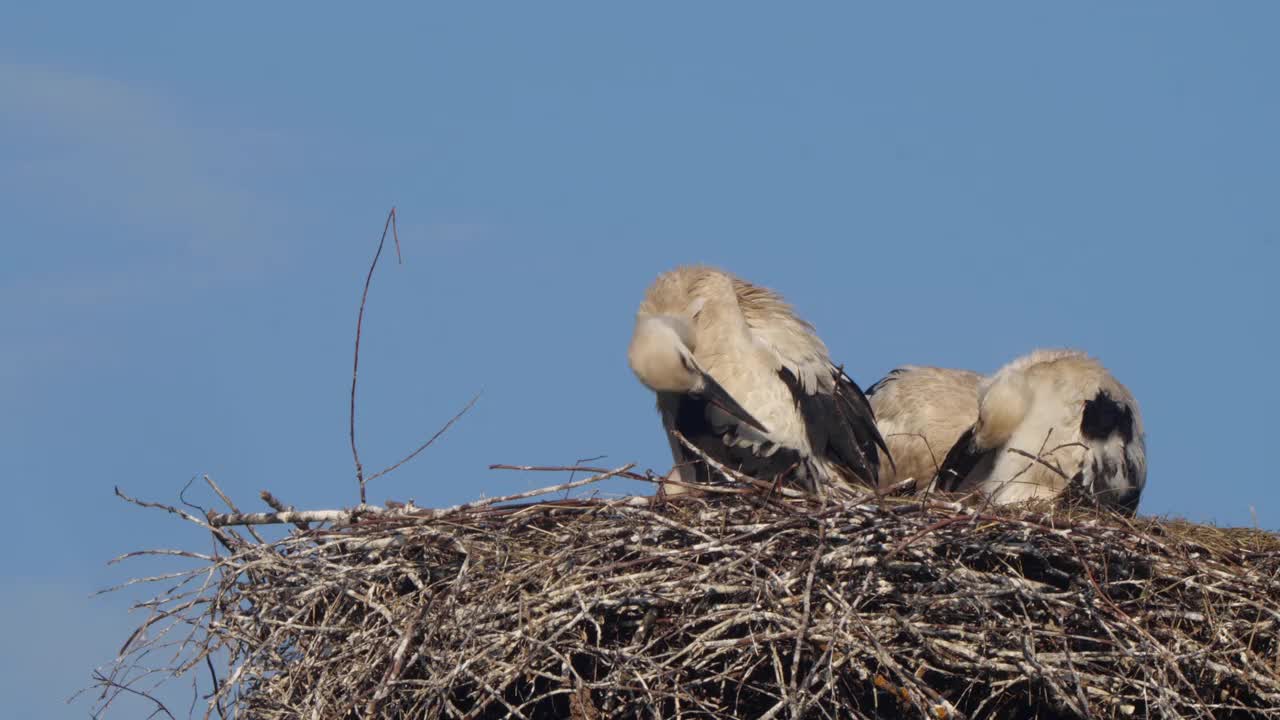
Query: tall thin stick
x=355 y=364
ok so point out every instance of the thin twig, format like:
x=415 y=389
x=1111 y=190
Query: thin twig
x=108 y=682
x=803 y=630
x=571 y=469
x=1040 y=460
x=276 y=504
x=355 y=363
x=230 y=505
x=426 y=444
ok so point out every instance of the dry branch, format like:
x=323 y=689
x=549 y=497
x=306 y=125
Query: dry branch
x=355 y=363
x=404 y=513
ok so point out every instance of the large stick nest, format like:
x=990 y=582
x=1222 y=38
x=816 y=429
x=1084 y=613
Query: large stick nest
x=735 y=604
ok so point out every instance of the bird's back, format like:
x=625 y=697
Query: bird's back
x=921 y=412
x=1036 y=431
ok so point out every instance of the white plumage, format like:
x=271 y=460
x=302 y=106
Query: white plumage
x=749 y=383
x=1050 y=421
x=921 y=412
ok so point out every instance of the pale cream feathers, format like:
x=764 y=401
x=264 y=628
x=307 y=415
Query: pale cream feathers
x=749 y=383
x=1049 y=421
x=921 y=412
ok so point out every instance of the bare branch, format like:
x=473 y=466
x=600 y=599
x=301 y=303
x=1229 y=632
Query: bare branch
x=571 y=468
x=403 y=512
x=428 y=443
x=355 y=363
x=276 y=504
x=112 y=684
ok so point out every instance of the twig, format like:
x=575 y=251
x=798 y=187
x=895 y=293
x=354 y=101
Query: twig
x=426 y=444
x=572 y=468
x=397 y=662
x=355 y=363
x=1040 y=460
x=937 y=467
x=108 y=682
x=579 y=461
x=217 y=701
x=803 y=629
x=408 y=512
x=230 y=506
x=296 y=516
x=167 y=508
x=275 y=504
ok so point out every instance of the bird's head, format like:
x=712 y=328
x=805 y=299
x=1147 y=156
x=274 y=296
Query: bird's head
x=661 y=355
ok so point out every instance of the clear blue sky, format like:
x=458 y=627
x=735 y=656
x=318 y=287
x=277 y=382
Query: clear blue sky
x=191 y=197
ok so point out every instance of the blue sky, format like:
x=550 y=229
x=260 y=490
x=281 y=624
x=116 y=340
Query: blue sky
x=191 y=197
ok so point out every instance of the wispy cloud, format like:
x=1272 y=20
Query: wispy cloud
x=115 y=194
x=101 y=151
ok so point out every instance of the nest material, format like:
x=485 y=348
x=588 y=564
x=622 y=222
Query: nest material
x=730 y=605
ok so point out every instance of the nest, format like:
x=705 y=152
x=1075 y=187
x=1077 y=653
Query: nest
x=735 y=603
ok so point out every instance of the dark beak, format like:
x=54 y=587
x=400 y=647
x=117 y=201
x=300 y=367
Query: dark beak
x=718 y=396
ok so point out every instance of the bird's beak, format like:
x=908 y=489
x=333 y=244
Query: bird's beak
x=718 y=396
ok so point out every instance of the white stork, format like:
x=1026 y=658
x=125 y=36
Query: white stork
x=921 y=412
x=1047 y=422
x=749 y=384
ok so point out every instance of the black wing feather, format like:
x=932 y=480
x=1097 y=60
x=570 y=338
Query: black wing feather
x=859 y=406
x=963 y=457
x=691 y=421
x=879 y=384
x=841 y=425
x=691 y=418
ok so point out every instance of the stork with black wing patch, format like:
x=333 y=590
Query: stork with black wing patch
x=750 y=385
x=1049 y=422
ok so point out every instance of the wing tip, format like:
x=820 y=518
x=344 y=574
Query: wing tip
x=958 y=463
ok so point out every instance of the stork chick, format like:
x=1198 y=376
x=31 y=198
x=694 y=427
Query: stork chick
x=749 y=384
x=921 y=412
x=1047 y=422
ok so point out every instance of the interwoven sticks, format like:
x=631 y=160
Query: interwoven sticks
x=728 y=606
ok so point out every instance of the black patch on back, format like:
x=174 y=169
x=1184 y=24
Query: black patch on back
x=961 y=459
x=1104 y=416
x=840 y=426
